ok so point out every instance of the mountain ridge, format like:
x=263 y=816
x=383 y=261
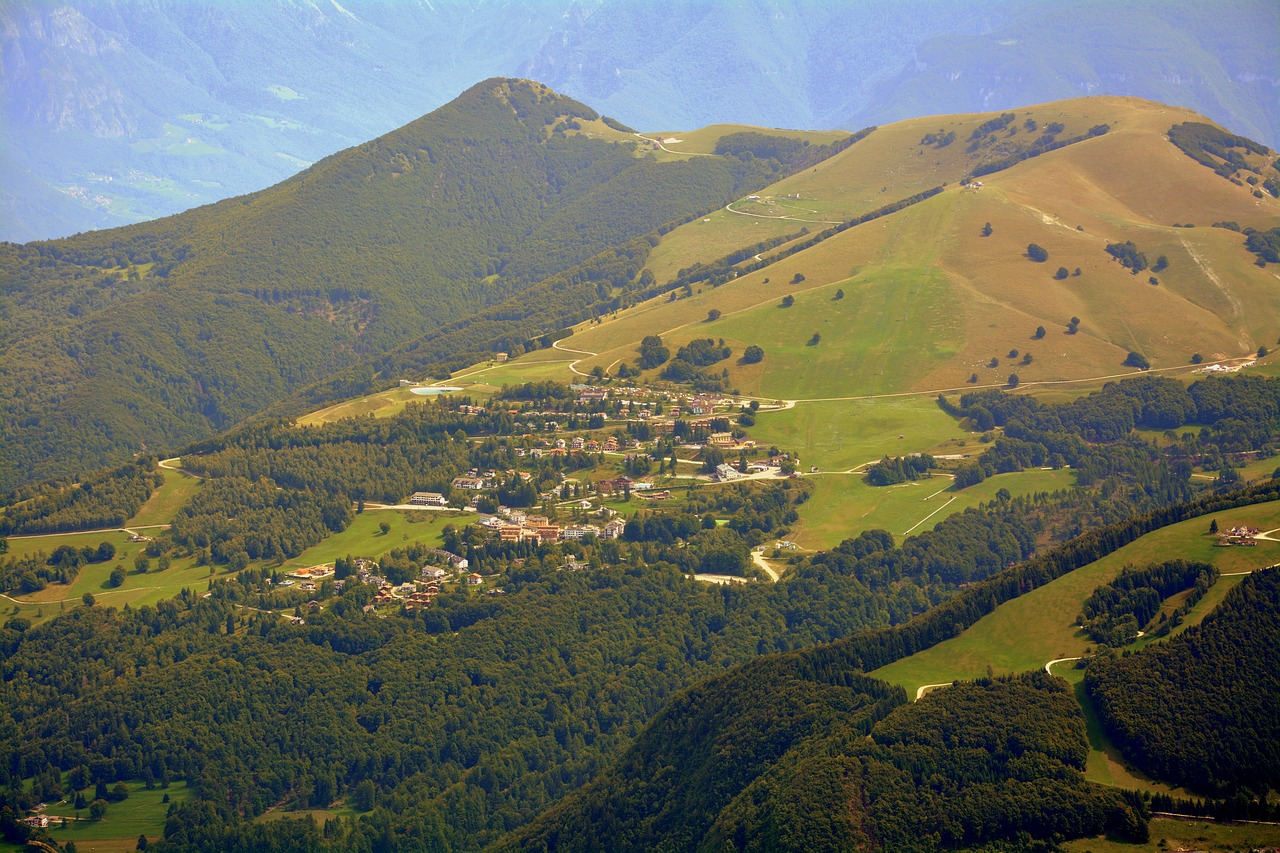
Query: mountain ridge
x=221 y=310
x=204 y=101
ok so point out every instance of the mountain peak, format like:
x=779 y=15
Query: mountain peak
x=528 y=98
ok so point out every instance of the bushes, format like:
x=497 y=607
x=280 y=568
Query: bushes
x=1129 y=256
x=1037 y=253
x=1138 y=360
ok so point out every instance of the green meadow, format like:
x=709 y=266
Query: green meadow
x=843 y=505
x=142 y=813
x=364 y=537
x=841 y=434
x=136 y=589
x=1031 y=630
x=1169 y=834
x=170 y=497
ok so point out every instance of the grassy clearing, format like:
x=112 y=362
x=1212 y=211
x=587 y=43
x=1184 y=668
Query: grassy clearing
x=711 y=238
x=843 y=505
x=478 y=381
x=839 y=435
x=1185 y=835
x=318 y=815
x=704 y=139
x=177 y=489
x=1105 y=765
x=1040 y=626
x=143 y=812
x=553 y=364
x=136 y=590
x=363 y=538
x=384 y=404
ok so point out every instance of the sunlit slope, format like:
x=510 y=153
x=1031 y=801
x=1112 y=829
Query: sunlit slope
x=892 y=163
x=704 y=139
x=928 y=301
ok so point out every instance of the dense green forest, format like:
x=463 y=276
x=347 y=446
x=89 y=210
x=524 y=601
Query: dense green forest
x=166 y=332
x=1200 y=710
x=461 y=722
x=106 y=499
x=1114 y=614
x=783 y=755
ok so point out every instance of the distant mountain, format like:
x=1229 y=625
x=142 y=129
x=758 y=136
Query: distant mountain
x=1186 y=54
x=166 y=332
x=119 y=110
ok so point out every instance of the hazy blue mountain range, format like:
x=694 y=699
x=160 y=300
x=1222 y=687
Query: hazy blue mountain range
x=121 y=110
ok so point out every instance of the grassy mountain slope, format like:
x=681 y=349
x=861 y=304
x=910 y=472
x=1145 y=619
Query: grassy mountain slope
x=928 y=300
x=165 y=332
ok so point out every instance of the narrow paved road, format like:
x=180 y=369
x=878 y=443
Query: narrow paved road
x=757 y=557
x=573 y=365
x=172 y=464
x=658 y=142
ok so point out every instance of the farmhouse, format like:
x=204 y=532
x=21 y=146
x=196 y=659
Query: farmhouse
x=725 y=471
x=617 y=485
x=311 y=573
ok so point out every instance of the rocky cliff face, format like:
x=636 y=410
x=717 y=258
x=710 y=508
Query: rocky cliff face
x=54 y=73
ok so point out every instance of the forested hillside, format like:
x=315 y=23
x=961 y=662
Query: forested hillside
x=167 y=332
x=1200 y=710
x=453 y=724
x=783 y=755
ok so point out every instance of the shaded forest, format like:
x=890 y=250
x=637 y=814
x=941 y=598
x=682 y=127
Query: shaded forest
x=1200 y=710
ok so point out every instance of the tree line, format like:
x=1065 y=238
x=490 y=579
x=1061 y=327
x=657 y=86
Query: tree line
x=1199 y=710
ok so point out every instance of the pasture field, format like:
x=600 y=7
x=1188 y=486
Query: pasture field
x=137 y=589
x=1170 y=834
x=364 y=538
x=477 y=381
x=1035 y=628
x=384 y=404
x=839 y=435
x=843 y=505
x=532 y=367
x=712 y=237
x=170 y=497
x=1259 y=469
x=143 y=812
x=704 y=139
x=936 y=300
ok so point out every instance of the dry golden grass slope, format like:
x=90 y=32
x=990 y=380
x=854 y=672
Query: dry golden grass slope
x=928 y=300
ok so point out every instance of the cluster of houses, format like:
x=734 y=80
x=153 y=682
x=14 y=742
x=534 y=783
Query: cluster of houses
x=636 y=399
x=1242 y=535
x=1225 y=368
x=422 y=591
x=519 y=526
